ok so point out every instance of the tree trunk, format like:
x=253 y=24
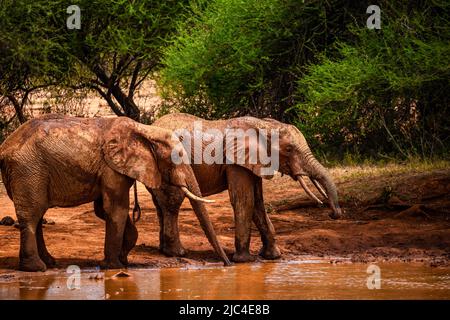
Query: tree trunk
x=18 y=107
x=129 y=107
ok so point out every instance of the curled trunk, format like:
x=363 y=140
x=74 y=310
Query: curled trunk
x=317 y=172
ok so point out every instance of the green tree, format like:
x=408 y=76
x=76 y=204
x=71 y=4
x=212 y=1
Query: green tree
x=117 y=48
x=31 y=57
x=316 y=64
x=236 y=57
x=386 y=90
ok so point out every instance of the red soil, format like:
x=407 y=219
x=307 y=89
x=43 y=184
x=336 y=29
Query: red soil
x=403 y=217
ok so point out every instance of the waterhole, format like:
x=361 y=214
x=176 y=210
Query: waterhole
x=296 y=280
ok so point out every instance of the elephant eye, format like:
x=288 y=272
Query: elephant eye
x=288 y=149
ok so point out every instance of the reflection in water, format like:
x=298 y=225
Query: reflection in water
x=35 y=288
x=239 y=282
x=300 y=280
x=139 y=285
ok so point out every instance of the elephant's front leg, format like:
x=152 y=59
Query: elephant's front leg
x=167 y=201
x=116 y=205
x=262 y=221
x=241 y=190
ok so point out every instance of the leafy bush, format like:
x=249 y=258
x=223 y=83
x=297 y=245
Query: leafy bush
x=117 y=47
x=315 y=64
x=237 y=57
x=386 y=91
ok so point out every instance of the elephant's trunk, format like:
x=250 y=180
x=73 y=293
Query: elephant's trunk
x=331 y=191
x=320 y=174
x=205 y=222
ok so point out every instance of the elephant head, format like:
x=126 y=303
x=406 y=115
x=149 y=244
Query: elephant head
x=294 y=157
x=143 y=153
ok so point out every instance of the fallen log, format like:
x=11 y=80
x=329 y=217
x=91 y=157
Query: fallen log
x=289 y=204
x=416 y=210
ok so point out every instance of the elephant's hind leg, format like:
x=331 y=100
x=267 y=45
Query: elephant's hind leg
x=262 y=221
x=29 y=258
x=42 y=249
x=28 y=192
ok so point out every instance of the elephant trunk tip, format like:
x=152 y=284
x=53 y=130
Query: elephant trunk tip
x=336 y=213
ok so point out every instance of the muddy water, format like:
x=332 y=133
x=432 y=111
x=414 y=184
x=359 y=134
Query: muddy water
x=295 y=280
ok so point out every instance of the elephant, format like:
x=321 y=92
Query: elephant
x=243 y=181
x=62 y=161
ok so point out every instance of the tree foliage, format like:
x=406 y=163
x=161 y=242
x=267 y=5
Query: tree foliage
x=316 y=64
x=118 y=46
x=385 y=91
x=242 y=57
x=311 y=63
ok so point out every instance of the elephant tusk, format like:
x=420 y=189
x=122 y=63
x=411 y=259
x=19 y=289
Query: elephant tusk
x=319 y=187
x=308 y=192
x=192 y=196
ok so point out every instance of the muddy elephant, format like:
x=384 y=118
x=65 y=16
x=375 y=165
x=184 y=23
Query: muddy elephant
x=243 y=180
x=62 y=161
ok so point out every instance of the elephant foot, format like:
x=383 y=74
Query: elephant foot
x=129 y=239
x=243 y=257
x=271 y=253
x=108 y=264
x=123 y=258
x=32 y=264
x=126 y=248
x=174 y=251
x=49 y=260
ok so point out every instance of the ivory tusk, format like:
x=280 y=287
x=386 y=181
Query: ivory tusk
x=194 y=197
x=308 y=192
x=319 y=187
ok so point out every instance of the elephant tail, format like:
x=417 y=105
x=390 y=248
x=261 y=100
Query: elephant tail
x=2 y=160
x=5 y=176
x=137 y=207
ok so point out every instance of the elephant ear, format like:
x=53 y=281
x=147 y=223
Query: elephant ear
x=129 y=150
x=251 y=148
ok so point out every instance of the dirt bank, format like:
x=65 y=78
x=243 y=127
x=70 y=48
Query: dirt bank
x=391 y=214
